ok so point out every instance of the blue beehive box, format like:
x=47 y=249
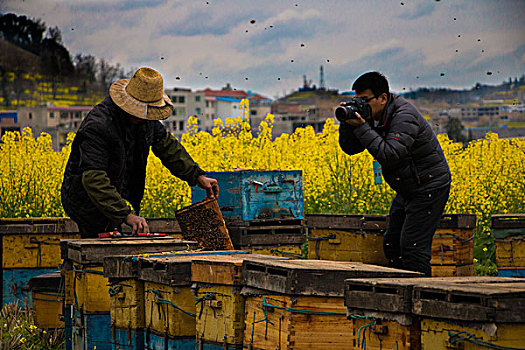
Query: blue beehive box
x=257 y=195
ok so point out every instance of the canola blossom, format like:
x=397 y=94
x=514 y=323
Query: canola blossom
x=487 y=174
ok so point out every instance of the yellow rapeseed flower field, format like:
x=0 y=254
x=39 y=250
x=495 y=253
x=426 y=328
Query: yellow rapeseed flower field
x=487 y=175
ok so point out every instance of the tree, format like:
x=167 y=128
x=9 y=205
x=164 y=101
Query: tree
x=108 y=73
x=56 y=60
x=454 y=129
x=22 y=31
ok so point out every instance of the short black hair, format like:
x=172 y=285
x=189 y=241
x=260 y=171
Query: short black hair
x=374 y=81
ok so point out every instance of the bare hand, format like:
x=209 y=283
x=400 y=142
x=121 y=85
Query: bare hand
x=137 y=223
x=210 y=185
x=358 y=120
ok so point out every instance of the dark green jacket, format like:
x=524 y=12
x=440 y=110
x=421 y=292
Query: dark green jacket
x=108 y=161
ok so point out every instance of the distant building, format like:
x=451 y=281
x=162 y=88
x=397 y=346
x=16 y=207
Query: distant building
x=56 y=121
x=473 y=114
x=208 y=105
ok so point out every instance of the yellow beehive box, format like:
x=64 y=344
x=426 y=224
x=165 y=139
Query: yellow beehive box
x=220 y=314
x=47 y=298
x=220 y=305
x=509 y=235
x=169 y=310
x=438 y=335
x=289 y=322
x=474 y=315
x=34 y=242
x=127 y=304
x=90 y=289
x=356 y=238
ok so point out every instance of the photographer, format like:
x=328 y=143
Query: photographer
x=412 y=161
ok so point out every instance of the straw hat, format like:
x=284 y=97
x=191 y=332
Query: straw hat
x=143 y=95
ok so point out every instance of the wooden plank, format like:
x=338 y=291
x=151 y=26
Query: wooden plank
x=221 y=269
x=494 y=301
x=395 y=294
x=169 y=226
x=505 y=221
x=16 y=226
x=93 y=251
x=292 y=251
x=349 y=222
x=311 y=277
x=175 y=269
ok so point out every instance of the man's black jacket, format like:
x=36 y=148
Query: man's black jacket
x=108 y=161
x=404 y=144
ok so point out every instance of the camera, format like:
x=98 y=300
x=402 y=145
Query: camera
x=348 y=110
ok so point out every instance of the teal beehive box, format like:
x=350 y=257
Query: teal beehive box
x=257 y=195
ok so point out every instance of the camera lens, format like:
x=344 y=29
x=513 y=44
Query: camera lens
x=341 y=113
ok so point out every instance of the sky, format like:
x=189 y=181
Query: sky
x=266 y=46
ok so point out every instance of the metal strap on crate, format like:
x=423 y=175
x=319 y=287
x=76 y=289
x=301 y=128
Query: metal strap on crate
x=441 y=234
x=318 y=242
x=267 y=305
x=201 y=300
x=456 y=337
x=161 y=300
x=275 y=250
x=511 y=250
x=39 y=244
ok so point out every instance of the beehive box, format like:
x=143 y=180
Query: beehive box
x=169 y=300
x=360 y=238
x=252 y=195
x=47 y=296
x=385 y=305
x=203 y=222
x=356 y=238
x=452 y=246
x=87 y=288
x=220 y=305
x=29 y=248
x=299 y=304
x=474 y=315
x=509 y=235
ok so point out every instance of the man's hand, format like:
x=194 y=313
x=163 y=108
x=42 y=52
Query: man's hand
x=210 y=185
x=137 y=223
x=358 y=120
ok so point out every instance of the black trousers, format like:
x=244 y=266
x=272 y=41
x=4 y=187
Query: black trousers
x=407 y=241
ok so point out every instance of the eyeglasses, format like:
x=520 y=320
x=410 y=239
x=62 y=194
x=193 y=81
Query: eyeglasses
x=368 y=99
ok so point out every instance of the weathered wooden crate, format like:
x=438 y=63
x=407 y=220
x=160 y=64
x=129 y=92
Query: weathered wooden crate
x=291 y=322
x=251 y=195
x=29 y=248
x=292 y=251
x=452 y=246
x=269 y=233
x=356 y=238
x=303 y=300
x=471 y=315
x=87 y=289
x=203 y=222
x=220 y=307
x=169 y=300
x=47 y=296
x=310 y=277
x=385 y=305
x=509 y=235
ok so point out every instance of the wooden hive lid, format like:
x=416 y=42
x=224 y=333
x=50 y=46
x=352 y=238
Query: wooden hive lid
x=311 y=277
x=175 y=269
x=93 y=251
x=394 y=294
x=223 y=269
x=499 y=300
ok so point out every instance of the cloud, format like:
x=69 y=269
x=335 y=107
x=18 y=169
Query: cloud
x=101 y=6
x=420 y=9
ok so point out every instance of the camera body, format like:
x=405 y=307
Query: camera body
x=348 y=110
